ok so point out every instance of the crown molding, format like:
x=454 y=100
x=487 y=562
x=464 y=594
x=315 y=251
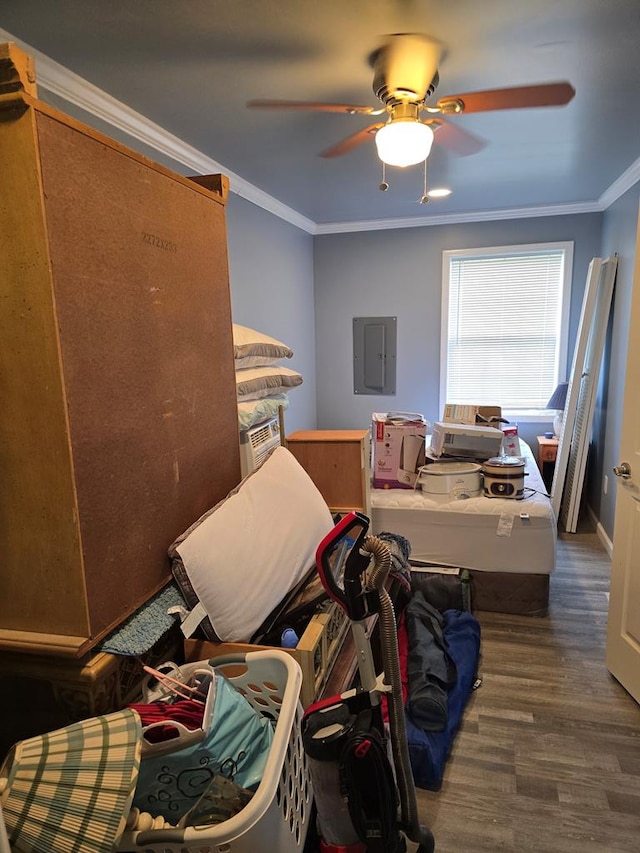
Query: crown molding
x=619 y=187
x=65 y=84
x=458 y=218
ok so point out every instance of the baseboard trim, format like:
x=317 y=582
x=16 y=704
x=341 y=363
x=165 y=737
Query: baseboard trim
x=607 y=544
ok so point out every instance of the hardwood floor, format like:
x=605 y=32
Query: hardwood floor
x=548 y=755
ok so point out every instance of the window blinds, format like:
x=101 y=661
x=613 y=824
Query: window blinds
x=504 y=328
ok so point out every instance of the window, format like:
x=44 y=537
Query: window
x=504 y=324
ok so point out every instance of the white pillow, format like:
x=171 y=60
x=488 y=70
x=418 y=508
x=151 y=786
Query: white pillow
x=244 y=555
x=253 y=383
x=253 y=349
x=255 y=411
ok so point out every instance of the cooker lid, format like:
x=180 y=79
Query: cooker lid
x=440 y=469
x=505 y=462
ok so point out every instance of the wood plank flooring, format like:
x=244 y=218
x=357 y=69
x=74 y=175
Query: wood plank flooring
x=548 y=755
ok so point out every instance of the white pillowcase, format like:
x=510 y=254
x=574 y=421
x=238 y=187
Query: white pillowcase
x=253 y=383
x=253 y=349
x=245 y=554
x=255 y=411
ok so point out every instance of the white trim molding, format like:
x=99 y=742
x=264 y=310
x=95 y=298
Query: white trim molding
x=620 y=186
x=70 y=87
x=455 y=218
x=67 y=85
x=601 y=533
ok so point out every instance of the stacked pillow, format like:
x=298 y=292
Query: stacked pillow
x=262 y=382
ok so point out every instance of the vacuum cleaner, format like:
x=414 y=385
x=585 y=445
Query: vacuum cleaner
x=364 y=791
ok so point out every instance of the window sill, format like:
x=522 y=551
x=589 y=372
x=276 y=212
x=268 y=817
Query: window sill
x=529 y=416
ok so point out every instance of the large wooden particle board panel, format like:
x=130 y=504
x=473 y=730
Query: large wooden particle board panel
x=42 y=562
x=147 y=359
x=123 y=385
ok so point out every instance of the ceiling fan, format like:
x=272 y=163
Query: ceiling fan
x=405 y=76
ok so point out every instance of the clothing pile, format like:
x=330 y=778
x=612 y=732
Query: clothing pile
x=197 y=732
x=439 y=648
x=440 y=653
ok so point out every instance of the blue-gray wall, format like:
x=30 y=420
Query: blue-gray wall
x=306 y=291
x=618 y=237
x=399 y=273
x=271 y=276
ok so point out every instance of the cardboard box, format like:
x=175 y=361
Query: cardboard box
x=398 y=440
x=456 y=413
x=316 y=651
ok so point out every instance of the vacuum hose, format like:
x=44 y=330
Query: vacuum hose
x=389 y=643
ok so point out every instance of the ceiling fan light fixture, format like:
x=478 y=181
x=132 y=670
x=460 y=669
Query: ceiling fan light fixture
x=404 y=142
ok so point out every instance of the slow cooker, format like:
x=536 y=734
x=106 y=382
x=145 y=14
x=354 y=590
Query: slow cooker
x=457 y=480
x=504 y=477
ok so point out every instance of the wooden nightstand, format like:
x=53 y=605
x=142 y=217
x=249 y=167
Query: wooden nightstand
x=337 y=460
x=547 y=452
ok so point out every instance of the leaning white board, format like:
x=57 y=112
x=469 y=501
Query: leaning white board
x=571 y=460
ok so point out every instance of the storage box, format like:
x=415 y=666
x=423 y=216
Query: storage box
x=464 y=414
x=510 y=441
x=398 y=449
x=316 y=651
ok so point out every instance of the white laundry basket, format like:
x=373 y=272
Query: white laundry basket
x=277 y=816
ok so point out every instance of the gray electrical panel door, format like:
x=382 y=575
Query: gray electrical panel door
x=374 y=355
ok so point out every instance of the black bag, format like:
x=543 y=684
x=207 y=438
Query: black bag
x=448 y=589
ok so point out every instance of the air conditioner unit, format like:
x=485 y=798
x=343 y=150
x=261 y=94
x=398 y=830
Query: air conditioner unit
x=257 y=443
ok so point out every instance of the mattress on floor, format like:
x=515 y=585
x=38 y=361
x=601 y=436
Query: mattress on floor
x=480 y=533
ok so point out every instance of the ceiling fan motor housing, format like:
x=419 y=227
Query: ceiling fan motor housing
x=392 y=93
x=405 y=69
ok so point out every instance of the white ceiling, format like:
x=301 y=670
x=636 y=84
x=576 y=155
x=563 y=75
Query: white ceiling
x=190 y=66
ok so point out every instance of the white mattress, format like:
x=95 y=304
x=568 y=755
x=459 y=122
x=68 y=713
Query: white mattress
x=487 y=534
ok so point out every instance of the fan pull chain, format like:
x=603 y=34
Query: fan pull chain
x=425 y=198
x=384 y=186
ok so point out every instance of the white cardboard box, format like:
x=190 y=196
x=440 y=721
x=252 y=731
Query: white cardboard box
x=457 y=413
x=397 y=441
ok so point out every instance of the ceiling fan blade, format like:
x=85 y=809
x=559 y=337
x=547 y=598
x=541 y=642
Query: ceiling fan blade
x=314 y=106
x=352 y=141
x=518 y=97
x=456 y=139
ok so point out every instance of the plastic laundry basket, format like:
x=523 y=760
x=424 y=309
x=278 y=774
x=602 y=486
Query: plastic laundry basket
x=277 y=816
